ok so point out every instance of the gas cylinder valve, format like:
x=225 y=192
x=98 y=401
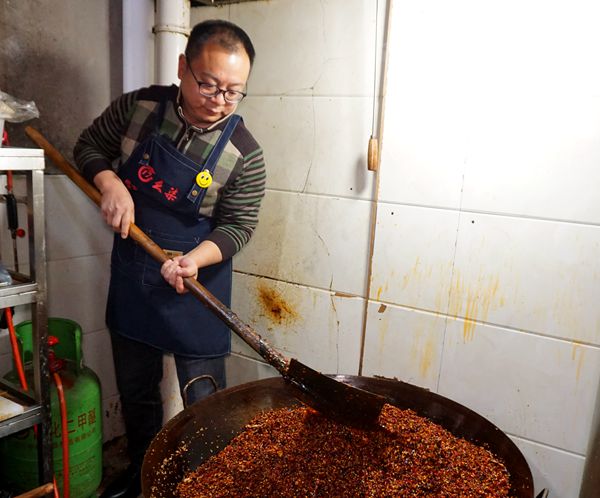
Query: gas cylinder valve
x=55 y=364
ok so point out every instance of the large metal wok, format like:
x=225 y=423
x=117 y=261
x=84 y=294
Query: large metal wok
x=206 y=427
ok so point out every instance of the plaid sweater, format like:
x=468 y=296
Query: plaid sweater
x=232 y=200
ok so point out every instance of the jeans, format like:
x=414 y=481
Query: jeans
x=139 y=370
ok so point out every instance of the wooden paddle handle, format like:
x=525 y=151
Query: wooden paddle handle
x=44 y=490
x=373 y=155
x=247 y=333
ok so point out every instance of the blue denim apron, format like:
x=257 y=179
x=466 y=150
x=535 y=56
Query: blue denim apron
x=141 y=305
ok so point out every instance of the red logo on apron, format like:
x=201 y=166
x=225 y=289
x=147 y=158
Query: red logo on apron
x=158 y=185
x=146 y=173
x=171 y=195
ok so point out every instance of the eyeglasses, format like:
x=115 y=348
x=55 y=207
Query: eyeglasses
x=210 y=90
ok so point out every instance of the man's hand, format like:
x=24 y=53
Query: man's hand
x=176 y=269
x=116 y=204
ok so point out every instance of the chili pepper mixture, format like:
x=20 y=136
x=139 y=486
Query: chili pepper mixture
x=299 y=453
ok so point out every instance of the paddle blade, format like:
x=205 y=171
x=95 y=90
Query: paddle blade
x=332 y=398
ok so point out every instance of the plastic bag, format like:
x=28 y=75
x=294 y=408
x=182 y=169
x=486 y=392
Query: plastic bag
x=5 y=278
x=15 y=110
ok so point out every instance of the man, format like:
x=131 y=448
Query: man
x=192 y=177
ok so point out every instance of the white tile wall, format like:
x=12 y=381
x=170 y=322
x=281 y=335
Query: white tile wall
x=542 y=165
x=241 y=369
x=311 y=240
x=555 y=470
x=343 y=128
x=314 y=145
x=74 y=227
x=514 y=116
x=491 y=51
x=318 y=328
x=271 y=119
x=423 y=148
x=545 y=164
x=501 y=133
x=533 y=275
x=307 y=48
x=404 y=344
x=519 y=272
x=77 y=289
x=527 y=385
x=413 y=256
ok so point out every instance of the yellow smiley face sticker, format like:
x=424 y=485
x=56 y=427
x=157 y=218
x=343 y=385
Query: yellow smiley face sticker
x=204 y=178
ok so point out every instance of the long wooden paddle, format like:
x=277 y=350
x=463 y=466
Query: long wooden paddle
x=326 y=394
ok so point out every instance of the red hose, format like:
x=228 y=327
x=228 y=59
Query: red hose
x=9 y=182
x=55 y=490
x=15 y=349
x=64 y=432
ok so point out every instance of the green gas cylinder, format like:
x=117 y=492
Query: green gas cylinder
x=18 y=452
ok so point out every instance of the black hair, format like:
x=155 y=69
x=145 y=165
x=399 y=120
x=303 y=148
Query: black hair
x=224 y=33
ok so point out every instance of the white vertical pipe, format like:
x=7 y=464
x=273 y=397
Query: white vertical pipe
x=171 y=30
x=138 y=44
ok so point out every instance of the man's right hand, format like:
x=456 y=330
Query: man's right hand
x=116 y=205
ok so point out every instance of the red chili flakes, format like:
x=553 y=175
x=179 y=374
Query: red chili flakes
x=299 y=453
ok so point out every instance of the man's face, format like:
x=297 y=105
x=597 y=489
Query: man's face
x=215 y=65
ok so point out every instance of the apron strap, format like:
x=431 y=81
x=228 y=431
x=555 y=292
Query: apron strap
x=217 y=150
x=196 y=193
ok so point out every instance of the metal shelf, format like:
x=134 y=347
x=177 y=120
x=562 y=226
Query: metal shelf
x=23 y=294
x=31 y=289
x=31 y=415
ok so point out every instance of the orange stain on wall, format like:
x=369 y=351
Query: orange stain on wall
x=274 y=306
x=427 y=357
x=456 y=295
x=577 y=351
x=413 y=274
x=383 y=325
x=474 y=303
x=422 y=350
